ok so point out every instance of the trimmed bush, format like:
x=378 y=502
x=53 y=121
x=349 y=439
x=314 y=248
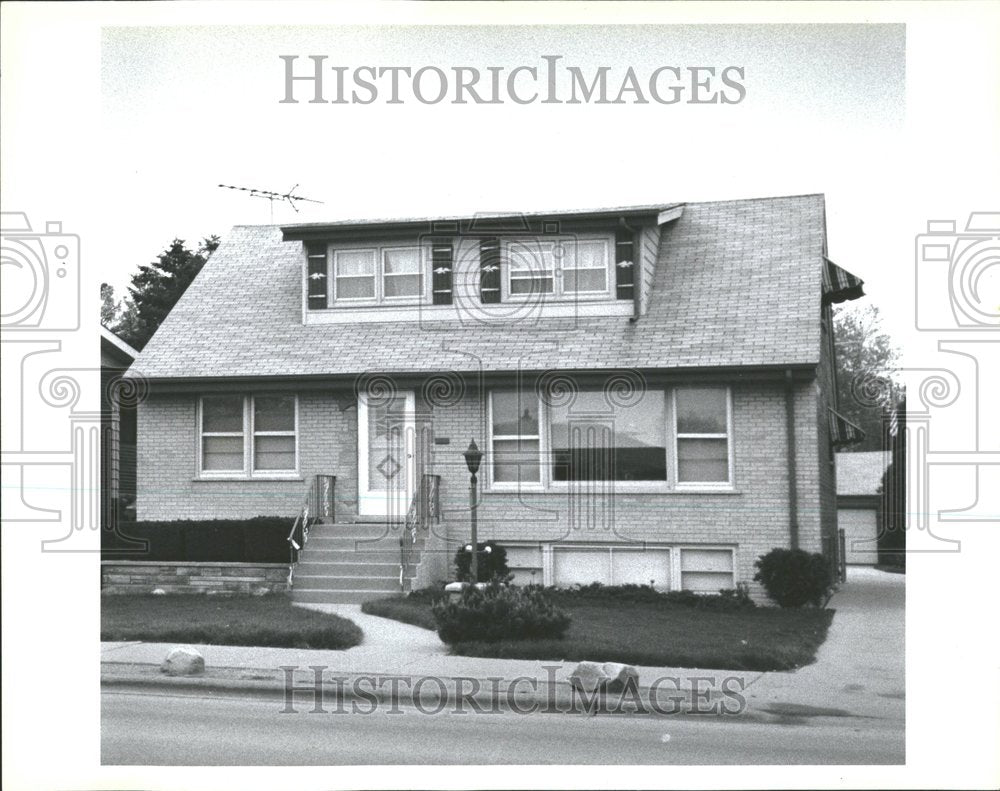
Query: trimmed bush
x=262 y=539
x=492 y=562
x=500 y=612
x=793 y=577
x=726 y=599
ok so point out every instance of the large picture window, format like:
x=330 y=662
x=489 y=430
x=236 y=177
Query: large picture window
x=594 y=439
x=248 y=435
x=591 y=437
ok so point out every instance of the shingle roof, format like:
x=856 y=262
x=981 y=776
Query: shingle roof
x=861 y=472
x=737 y=283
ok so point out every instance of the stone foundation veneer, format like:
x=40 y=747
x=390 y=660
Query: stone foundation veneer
x=144 y=576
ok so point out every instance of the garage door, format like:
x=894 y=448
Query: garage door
x=860 y=535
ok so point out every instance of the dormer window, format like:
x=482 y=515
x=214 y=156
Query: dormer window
x=377 y=274
x=564 y=268
x=401 y=272
x=353 y=274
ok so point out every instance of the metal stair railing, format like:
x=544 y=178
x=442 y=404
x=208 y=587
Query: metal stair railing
x=318 y=504
x=425 y=506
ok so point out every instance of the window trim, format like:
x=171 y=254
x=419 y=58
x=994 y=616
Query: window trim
x=378 y=298
x=250 y=405
x=680 y=485
x=419 y=296
x=242 y=434
x=558 y=292
x=247 y=471
x=607 y=269
x=678 y=564
x=334 y=277
x=489 y=456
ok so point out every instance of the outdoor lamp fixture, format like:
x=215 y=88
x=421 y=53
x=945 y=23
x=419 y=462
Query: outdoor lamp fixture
x=473 y=457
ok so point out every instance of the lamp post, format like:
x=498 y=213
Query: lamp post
x=473 y=456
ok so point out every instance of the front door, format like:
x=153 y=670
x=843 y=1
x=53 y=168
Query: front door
x=385 y=454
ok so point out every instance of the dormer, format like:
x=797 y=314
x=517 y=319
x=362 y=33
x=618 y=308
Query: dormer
x=485 y=268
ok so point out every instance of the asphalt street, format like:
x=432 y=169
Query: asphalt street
x=143 y=727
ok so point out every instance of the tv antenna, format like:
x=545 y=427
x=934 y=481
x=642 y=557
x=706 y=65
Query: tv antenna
x=287 y=197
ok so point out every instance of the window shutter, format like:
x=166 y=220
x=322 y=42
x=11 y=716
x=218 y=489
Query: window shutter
x=624 y=264
x=489 y=270
x=442 y=266
x=316 y=275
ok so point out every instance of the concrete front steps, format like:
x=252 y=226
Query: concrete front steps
x=351 y=562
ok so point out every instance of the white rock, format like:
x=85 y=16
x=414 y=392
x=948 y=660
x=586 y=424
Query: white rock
x=588 y=676
x=607 y=677
x=183 y=660
x=618 y=676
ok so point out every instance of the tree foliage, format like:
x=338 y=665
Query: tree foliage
x=157 y=286
x=866 y=363
x=109 y=310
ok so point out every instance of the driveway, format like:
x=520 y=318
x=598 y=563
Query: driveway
x=860 y=669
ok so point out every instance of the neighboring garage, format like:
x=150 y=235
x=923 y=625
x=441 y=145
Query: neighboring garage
x=859 y=476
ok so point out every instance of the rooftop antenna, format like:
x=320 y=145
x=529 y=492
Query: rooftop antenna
x=288 y=197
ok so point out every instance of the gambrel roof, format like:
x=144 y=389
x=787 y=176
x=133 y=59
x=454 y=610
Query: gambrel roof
x=737 y=283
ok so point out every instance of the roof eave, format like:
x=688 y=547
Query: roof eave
x=510 y=223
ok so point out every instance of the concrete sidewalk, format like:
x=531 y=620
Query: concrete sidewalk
x=859 y=670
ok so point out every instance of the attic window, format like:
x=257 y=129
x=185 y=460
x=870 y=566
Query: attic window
x=569 y=268
x=375 y=274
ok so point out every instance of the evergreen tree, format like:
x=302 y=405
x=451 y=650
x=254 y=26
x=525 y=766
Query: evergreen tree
x=157 y=286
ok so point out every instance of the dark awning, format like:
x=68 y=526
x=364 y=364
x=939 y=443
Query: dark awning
x=843 y=431
x=839 y=285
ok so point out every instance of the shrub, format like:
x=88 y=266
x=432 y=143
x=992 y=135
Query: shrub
x=491 y=559
x=728 y=599
x=262 y=539
x=793 y=577
x=499 y=612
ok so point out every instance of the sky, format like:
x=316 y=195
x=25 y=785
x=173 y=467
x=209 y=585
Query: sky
x=187 y=108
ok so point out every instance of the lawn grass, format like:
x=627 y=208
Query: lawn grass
x=413 y=610
x=224 y=620
x=662 y=634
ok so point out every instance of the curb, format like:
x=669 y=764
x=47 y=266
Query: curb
x=367 y=692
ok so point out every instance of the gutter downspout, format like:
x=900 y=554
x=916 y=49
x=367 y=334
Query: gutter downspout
x=636 y=281
x=793 y=493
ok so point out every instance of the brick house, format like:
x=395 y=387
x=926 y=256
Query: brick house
x=652 y=387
